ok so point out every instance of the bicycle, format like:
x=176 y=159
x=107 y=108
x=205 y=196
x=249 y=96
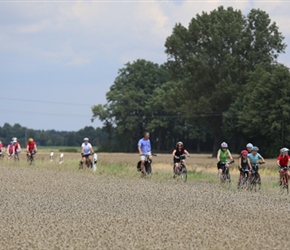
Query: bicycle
x=244 y=180
x=255 y=178
x=89 y=163
x=147 y=165
x=284 y=180
x=181 y=170
x=226 y=177
x=30 y=158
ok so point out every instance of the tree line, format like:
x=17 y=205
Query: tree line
x=97 y=136
x=221 y=82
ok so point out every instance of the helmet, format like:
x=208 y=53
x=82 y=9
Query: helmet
x=282 y=150
x=249 y=145
x=179 y=143
x=14 y=139
x=30 y=139
x=224 y=145
x=244 y=152
x=255 y=148
x=86 y=139
x=12 y=142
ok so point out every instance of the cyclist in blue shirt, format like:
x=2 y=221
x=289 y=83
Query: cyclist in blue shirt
x=254 y=158
x=144 y=148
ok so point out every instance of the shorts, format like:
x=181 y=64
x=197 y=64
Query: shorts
x=221 y=165
x=143 y=157
x=86 y=156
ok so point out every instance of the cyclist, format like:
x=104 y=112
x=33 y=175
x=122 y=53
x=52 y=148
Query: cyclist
x=2 y=149
x=249 y=147
x=10 y=150
x=222 y=156
x=254 y=157
x=283 y=161
x=244 y=163
x=17 y=146
x=144 y=148
x=177 y=152
x=31 y=147
x=87 y=150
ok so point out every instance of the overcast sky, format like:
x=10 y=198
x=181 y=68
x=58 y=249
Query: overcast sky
x=59 y=58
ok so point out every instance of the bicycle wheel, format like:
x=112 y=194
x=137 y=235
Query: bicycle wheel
x=251 y=183
x=148 y=170
x=286 y=183
x=184 y=174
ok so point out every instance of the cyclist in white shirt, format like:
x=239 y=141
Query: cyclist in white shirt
x=87 y=151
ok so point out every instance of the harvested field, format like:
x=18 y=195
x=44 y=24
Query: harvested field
x=54 y=207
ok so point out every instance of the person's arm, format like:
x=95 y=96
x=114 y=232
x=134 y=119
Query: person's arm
x=230 y=156
x=92 y=150
x=249 y=163
x=278 y=161
x=139 y=149
x=261 y=158
x=173 y=153
x=185 y=151
x=218 y=156
x=19 y=147
x=35 y=148
x=27 y=148
x=240 y=163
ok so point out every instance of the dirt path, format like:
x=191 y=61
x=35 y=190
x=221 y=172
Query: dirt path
x=48 y=209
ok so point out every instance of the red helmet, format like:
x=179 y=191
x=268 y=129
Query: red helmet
x=244 y=152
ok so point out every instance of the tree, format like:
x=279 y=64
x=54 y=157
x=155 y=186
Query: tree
x=265 y=115
x=213 y=56
x=127 y=110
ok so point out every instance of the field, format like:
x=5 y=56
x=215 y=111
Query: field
x=56 y=206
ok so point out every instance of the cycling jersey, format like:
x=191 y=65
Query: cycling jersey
x=283 y=160
x=224 y=155
x=244 y=163
x=31 y=145
x=16 y=144
x=254 y=159
x=10 y=149
x=179 y=153
x=87 y=148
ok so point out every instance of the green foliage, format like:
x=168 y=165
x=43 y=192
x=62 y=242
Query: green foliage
x=265 y=115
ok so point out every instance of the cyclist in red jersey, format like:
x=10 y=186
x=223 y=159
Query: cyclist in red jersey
x=17 y=145
x=10 y=150
x=283 y=160
x=30 y=147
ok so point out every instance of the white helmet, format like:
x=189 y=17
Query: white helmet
x=282 y=150
x=180 y=142
x=14 y=139
x=86 y=139
x=224 y=145
x=249 y=145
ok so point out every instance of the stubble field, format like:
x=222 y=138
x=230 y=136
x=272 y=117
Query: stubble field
x=57 y=206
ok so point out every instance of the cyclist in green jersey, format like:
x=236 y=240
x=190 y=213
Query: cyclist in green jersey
x=222 y=156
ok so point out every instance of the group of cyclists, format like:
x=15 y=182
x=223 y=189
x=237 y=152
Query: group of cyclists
x=248 y=160
x=14 y=148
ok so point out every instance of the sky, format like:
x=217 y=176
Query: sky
x=59 y=58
